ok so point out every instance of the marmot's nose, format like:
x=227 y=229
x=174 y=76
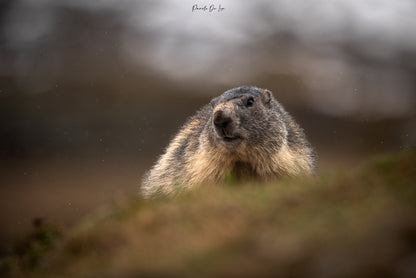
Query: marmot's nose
x=221 y=120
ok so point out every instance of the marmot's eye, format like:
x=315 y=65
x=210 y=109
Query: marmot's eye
x=250 y=102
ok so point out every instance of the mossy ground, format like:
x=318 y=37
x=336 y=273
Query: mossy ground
x=352 y=223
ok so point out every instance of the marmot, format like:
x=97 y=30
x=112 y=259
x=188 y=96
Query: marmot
x=244 y=132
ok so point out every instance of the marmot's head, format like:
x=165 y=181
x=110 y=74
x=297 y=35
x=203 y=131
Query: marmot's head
x=246 y=117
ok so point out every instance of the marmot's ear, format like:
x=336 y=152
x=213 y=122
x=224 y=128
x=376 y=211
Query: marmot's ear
x=266 y=96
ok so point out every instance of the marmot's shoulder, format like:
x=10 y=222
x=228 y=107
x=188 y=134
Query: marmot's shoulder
x=187 y=137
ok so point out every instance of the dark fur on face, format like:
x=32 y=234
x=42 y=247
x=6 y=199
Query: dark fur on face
x=245 y=117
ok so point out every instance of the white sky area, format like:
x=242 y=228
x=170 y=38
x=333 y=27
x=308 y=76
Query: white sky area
x=197 y=42
x=186 y=45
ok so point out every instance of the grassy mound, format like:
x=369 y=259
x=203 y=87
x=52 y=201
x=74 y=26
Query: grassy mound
x=354 y=223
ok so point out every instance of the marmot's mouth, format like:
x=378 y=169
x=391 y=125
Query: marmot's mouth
x=231 y=138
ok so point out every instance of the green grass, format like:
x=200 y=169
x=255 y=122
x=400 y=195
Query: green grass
x=351 y=223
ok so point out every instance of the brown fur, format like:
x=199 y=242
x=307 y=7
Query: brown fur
x=228 y=136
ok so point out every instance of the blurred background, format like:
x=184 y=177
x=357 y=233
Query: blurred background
x=92 y=91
